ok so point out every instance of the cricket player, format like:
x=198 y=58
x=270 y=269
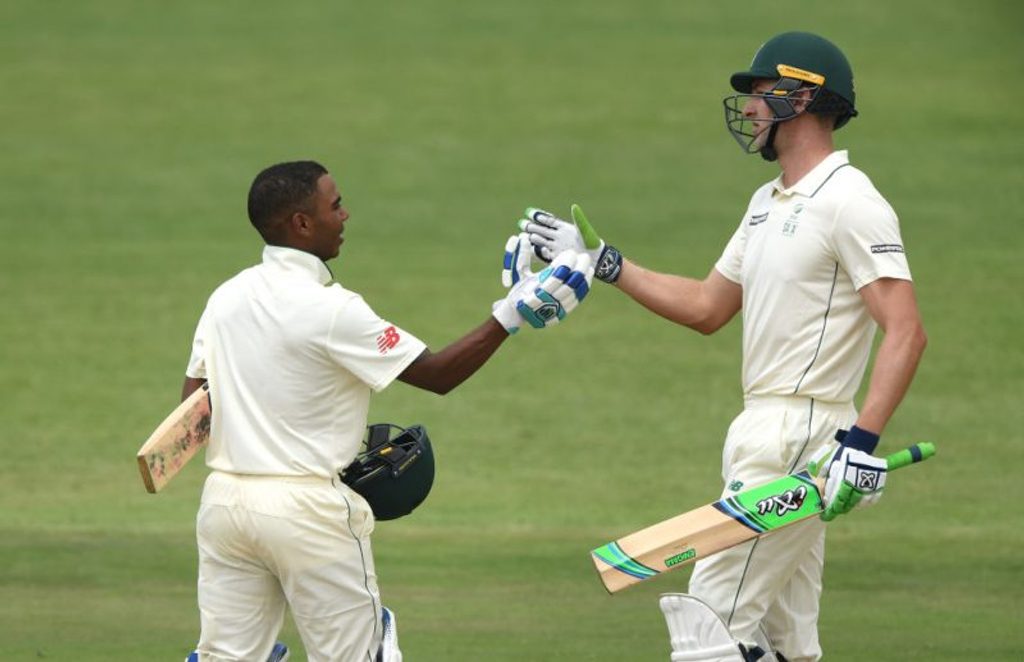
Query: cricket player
x=815 y=265
x=291 y=358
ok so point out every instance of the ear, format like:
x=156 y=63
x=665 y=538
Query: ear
x=800 y=98
x=301 y=224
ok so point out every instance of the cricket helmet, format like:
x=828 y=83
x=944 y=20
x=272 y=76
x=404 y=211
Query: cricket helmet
x=798 y=61
x=395 y=471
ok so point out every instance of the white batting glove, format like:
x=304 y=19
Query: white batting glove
x=550 y=235
x=542 y=299
x=852 y=478
x=561 y=287
x=515 y=274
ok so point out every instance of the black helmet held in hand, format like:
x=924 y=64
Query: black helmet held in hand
x=396 y=470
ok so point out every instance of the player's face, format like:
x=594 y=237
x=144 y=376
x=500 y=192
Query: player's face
x=328 y=219
x=758 y=112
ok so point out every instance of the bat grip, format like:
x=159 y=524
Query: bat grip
x=916 y=453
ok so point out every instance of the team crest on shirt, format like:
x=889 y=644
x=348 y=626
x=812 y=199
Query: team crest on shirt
x=790 y=225
x=387 y=340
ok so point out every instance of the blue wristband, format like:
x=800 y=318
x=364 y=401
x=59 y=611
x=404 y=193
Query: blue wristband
x=858 y=439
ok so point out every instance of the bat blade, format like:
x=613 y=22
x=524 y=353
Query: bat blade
x=706 y=530
x=720 y=525
x=175 y=441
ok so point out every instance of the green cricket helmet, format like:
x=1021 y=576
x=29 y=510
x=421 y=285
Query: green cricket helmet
x=395 y=471
x=798 y=62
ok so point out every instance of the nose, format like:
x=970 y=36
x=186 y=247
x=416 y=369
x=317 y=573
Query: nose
x=344 y=214
x=750 y=107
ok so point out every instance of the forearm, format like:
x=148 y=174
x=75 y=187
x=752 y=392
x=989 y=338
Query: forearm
x=704 y=306
x=895 y=364
x=442 y=371
x=190 y=385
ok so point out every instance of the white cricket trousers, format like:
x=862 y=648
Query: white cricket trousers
x=268 y=541
x=773 y=582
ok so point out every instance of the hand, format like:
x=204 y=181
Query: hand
x=550 y=235
x=541 y=299
x=515 y=274
x=560 y=288
x=852 y=478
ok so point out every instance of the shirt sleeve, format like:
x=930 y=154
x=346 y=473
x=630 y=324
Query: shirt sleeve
x=867 y=241
x=197 y=361
x=373 y=349
x=730 y=264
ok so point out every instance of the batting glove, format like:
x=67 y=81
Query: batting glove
x=515 y=274
x=560 y=288
x=852 y=477
x=542 y=299
x=550 y=235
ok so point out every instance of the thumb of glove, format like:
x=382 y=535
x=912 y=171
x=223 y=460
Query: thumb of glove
x=590 y=238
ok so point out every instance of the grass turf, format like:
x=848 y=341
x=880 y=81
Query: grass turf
x=132 y=130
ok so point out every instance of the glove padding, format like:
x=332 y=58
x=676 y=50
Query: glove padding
x=542 y=299
x=550 y=235
x=852 y=478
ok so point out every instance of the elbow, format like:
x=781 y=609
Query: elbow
x=707 y=325
x=705 y=329
x=921 y=339
x=442 y=389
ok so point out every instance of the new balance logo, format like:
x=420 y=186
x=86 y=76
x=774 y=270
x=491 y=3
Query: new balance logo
x=387 y=340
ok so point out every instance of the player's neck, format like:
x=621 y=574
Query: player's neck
x=803 y=153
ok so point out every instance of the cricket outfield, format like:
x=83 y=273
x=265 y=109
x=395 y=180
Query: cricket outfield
x=130 y=134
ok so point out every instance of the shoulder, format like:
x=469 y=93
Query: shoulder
x=233 y=285
x=857 y=196
x=762 y=195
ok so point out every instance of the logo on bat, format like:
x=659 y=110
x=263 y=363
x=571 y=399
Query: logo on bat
x=780 y=504
x=681 y=557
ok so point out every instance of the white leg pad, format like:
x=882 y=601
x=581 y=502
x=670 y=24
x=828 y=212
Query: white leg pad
x=696 y=632
x=389 y=651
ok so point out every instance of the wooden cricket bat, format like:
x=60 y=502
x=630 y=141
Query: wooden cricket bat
x=175 y=441
x=720 y=525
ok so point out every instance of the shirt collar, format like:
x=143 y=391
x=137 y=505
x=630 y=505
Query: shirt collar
x=296 y=261
x=812 y=181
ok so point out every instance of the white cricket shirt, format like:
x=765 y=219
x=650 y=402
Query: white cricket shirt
x=291 y=359
x=800 y=255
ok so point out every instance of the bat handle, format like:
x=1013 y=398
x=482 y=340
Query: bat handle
x=916 y=453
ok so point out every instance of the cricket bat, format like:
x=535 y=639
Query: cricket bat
x=720 y=525
x=175 y=441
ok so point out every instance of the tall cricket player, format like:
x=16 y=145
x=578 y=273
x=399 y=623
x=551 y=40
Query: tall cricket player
x=816 y=264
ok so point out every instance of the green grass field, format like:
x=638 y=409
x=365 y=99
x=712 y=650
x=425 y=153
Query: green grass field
x=130 y=132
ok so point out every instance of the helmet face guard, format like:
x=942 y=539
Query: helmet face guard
x=781 y=100
x=799 y=62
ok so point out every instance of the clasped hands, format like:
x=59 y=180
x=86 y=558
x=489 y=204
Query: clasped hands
x=544 y=298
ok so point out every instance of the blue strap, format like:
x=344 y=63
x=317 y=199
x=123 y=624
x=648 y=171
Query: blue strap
x=858 y=439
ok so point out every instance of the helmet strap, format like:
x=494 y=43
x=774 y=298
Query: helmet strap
x=767 y=150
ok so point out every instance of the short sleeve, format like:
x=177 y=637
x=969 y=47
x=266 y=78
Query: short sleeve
x=373 y=349
x=867 y=241
x=730 y=264
x=197 y=361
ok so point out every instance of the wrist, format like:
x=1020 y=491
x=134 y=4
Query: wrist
x=859 y=439
x=506 y=315
x=609 y=264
